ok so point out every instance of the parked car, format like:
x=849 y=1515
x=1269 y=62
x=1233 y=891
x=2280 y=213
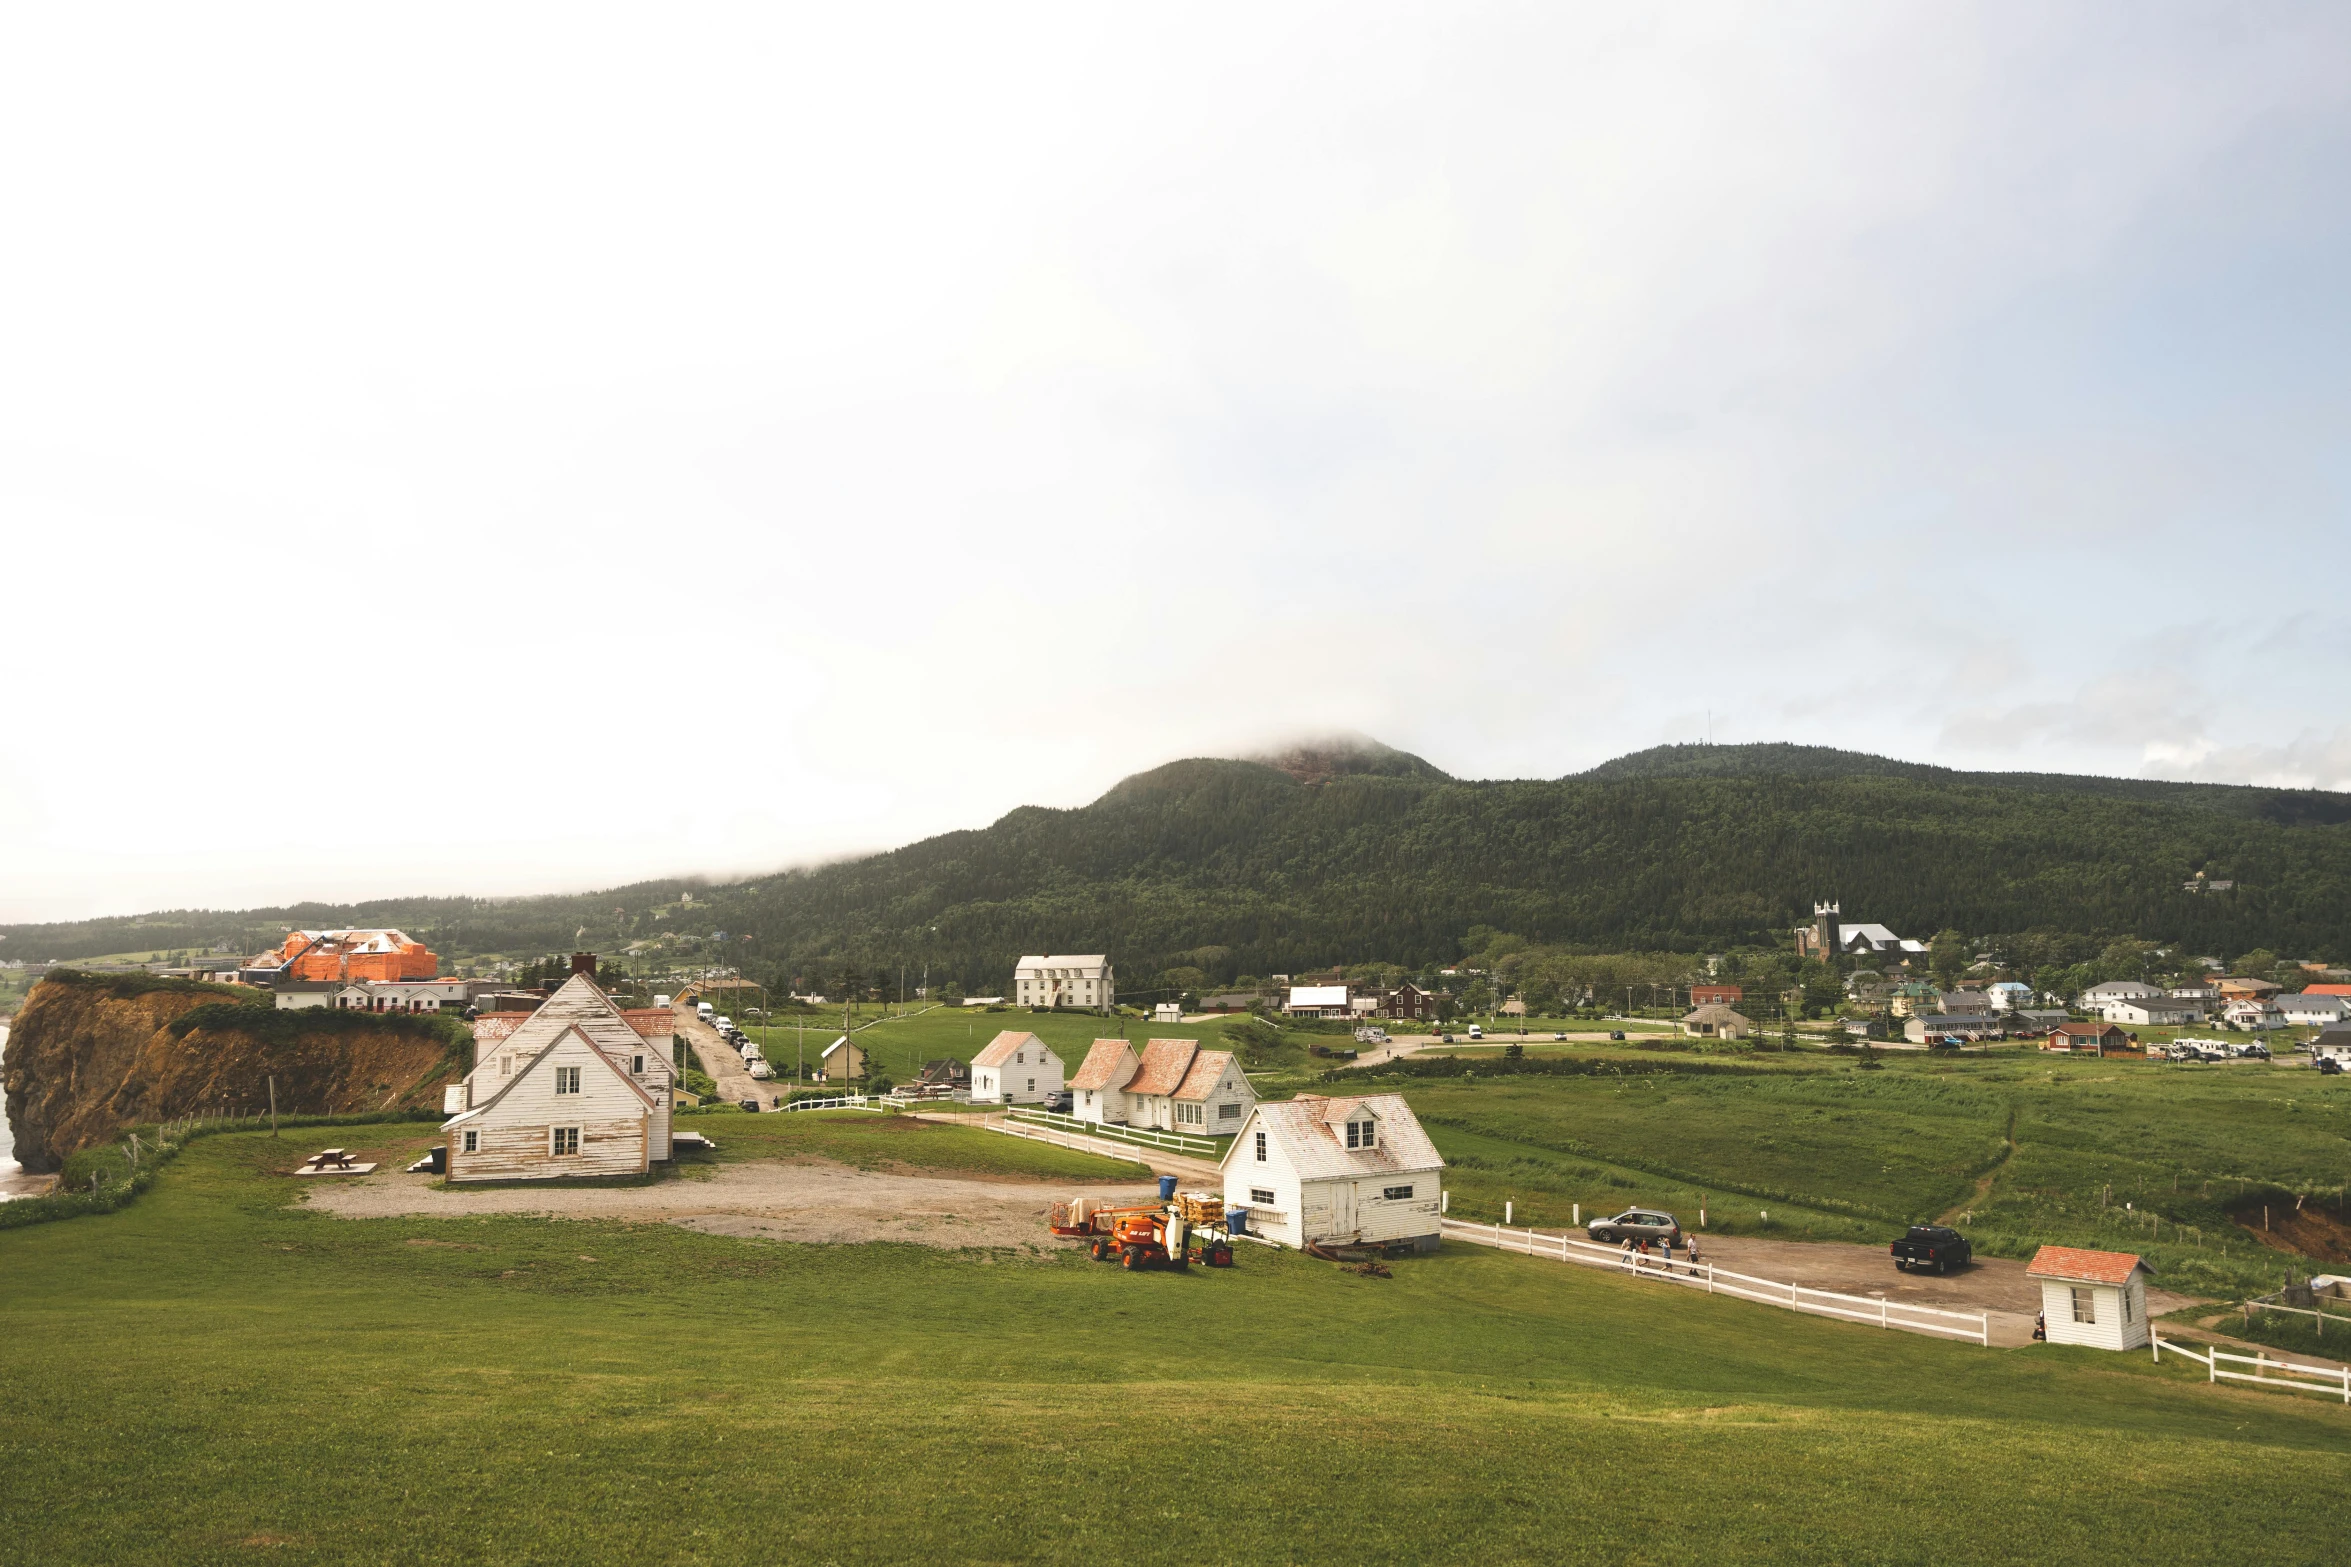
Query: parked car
x=760 y=1069
x=1635 y=1224
x=2253 y=1049
x=1931 y=1246
x=1616 y=1033
x=1561 y=1034
x=2330 y=1066
x=751 y=1105
x=1477 y=1031
x=1060 y=1103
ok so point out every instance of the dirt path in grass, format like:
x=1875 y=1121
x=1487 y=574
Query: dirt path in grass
x=788 y=1202
x=1983 y=1185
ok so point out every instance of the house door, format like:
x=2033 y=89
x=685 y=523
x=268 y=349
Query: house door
x=1343 y=1208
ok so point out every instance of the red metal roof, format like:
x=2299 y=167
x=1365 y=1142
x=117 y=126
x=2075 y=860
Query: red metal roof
x=2091 y=1267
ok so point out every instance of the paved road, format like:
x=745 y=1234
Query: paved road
x=720 y=1060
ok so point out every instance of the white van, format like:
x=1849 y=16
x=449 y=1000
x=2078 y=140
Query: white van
x=705 y=1011
x=1475 y=1032
x=722 y=1022
x=661 y=1001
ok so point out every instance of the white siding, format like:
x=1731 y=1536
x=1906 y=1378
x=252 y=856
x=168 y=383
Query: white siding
x=2109 y=1331
x=1244 y=1173
x=514 y=1136
x=1027 y=1081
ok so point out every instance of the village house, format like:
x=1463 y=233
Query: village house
x=1061 y=980
x=2313 y=1010
x=1159 y=1073
x=1167 y=1012
x=344 y=955
x=1317 y=1001
x=2095 y=1038
x=2332 y=1044
x=1214 y=1097
x=2007 y=995
x=1716 y=995
x=566 y=1110
x=1015 y=1069
x=947 y=1073
x=1098 y=1091
x=2096 y=998
x=1927 y=1028
x=1343 y=1171
x=1964 y=1003
x=2241 y=989
x=843 y=1061
x=2098 y=1298
x=2253 y=1015
x=506 y=1043
x=1714 y=1021
x=2157 y=1011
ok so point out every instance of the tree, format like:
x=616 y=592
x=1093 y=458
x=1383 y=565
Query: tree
x=1947 y=956
x=2257 y=964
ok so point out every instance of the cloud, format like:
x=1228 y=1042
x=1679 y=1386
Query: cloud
x=852 y=425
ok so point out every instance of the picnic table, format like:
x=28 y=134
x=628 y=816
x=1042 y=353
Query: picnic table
x=329 y=1159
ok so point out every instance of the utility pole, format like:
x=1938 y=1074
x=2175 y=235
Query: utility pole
x=273 y=1107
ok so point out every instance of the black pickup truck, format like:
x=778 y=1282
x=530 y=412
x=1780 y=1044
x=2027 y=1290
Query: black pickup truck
x=1931 y=1246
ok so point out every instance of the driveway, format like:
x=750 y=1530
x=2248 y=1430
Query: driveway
x=720 y=1060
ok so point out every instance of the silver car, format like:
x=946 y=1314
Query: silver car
x=1635 y=1225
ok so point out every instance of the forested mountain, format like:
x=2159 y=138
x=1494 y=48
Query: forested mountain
x=1338 y=856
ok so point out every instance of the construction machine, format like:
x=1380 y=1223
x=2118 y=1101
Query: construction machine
x=1186 y=1229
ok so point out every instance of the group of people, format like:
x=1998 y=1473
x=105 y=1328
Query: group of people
x=1631 y=1248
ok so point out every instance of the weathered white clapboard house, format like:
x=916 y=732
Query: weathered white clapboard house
x=1357 y=1170
x=1172 y=1086
x=2097 y=1298
x=1098 y=1092
x=531 y=1089
x=1015 y=1069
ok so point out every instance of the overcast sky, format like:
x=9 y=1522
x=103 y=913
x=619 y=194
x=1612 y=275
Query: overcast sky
x=483 y=449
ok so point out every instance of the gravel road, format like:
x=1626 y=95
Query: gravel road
x=814 y=1201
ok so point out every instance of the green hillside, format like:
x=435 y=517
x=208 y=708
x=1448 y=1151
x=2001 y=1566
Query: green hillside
x=1350 y=852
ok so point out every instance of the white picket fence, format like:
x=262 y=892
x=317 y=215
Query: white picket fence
x=1046 y=1134
x=842 y=1102
x=2333 y=1381
x=1173 y=1142
x=1973 y=1325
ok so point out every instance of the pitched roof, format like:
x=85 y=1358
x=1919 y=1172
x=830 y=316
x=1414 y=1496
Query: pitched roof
x=1000 y=1048
x=840 y=1043
x=1164 y=1064
x=541 y=1054
x=1714 y=1012
x=1318 y=995
x=1308 y=1129
x=1101 y=1068
x=1207 y=1068
x=1064 y=960
x=2087 y=1030
x=2326 y=990
x=2091 y=1267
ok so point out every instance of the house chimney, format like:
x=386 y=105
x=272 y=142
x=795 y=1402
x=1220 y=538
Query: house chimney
x=584 y=963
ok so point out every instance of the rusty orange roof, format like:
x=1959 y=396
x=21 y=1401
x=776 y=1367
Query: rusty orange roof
x=2091 y=1267
x=1164 y=1064
x=1101 y=1066
x=1207 y=1067
x=1000 y=1048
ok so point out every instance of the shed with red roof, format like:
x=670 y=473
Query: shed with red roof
x=2098 y=1298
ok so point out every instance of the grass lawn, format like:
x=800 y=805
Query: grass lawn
x=898 y=1142
x=211 y=1375
x=2022 y=1147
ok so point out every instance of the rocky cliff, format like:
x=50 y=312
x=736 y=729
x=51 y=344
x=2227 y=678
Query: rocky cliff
x=91 y=1055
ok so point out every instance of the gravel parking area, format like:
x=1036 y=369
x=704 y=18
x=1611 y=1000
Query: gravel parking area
x=777 y=1201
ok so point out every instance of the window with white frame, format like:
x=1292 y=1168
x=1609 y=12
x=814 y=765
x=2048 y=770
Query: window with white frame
x=1261 y=1195
x=2085 y=1305
x=567 y=1079
x=565 y=1140
x=1396 y=1193
x=1362 y=1134
x=1261 y=1150
x=473 y=1142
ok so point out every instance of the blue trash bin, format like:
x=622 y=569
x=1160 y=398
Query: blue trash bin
x=1167 y=1185
x=1236 y=1220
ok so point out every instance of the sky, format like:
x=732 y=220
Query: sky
x=498 y=449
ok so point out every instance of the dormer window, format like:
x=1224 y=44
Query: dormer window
x=1363 y=1134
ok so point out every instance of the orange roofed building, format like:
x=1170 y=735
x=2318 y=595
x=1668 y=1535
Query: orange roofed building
x=349 y=955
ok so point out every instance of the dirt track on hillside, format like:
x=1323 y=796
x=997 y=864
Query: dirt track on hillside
x=818 y=1202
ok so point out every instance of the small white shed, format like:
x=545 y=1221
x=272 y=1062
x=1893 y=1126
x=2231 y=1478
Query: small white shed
x=1015 y=1069
x=2098 y=1298
x=1349 y=1171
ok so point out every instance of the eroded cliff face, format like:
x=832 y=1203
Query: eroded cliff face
x=84 y=1063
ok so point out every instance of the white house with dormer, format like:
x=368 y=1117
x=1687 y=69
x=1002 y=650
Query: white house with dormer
x=504 y=1050
x=565 y=1108
x=1354 y=1171
x=1082 y=981
x=1015 y=1069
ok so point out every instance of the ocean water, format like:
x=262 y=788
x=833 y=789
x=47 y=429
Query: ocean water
x=7 y=1137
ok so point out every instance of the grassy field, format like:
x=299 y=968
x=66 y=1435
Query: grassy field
x=895 y=1142
x=2019 y=1147
x=212 y=1375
